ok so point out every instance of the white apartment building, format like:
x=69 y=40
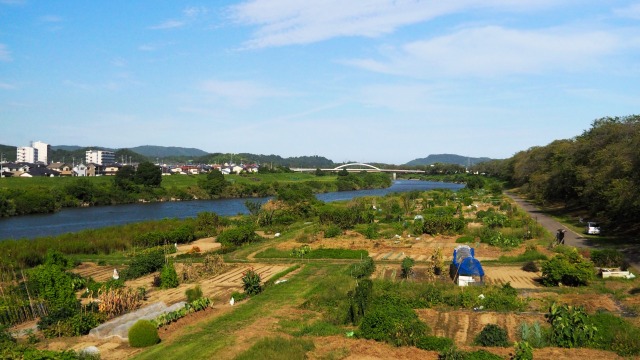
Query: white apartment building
x=34 y=153
x=43 y=151
x=26 y=154
x=100 y=157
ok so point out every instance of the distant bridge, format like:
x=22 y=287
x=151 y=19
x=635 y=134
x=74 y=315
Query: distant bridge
x=359 y=167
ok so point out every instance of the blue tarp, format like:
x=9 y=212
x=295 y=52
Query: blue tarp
x=465 y=262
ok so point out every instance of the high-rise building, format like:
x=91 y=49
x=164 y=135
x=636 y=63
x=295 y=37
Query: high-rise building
x=43 y=151
x=100 y=157
x=26 y=154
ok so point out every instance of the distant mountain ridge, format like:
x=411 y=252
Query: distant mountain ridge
x=448 y=159
x=166 y=151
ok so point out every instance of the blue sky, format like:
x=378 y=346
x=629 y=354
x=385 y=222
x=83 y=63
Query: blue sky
x=385 y=81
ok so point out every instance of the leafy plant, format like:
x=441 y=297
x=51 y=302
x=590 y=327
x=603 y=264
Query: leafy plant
x=522 y=351
x=194 y=293
x=532 y=334
x=492 y=335
x=434 y=343
x=363 y=269
x=251 y=282
x=392 y=321
x=332 y=231
x=569 y=326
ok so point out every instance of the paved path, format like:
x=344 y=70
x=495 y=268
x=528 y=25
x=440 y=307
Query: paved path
x=571 y=237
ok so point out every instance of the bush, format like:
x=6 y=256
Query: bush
x=392 y=321
x=363 y=269
x=608 y=258
x=522 y=351
x=434 y=343
x=143 y=264
x=238 y=236
x=194 y=293
x=169 y=277
x=143 y=333
x=571 y=269
x=492 y=335
x=332 y=231
x=407 y=267
x=530 y=267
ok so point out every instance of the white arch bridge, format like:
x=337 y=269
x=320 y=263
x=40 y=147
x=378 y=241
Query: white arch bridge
x=359 y=167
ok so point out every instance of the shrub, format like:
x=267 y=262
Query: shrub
x=530 y=267
x=522 y=351
x=363 y=269
x=194 y=293
x=571 y=269
x=143 y=264
x=359 y=300
x=492 y=335
x=238 y=236
x=392 y=321
x=169 y=277
x=434 y=343
x=143 y=333
x=407 y=267
x=251 y=282
x=608 y=258
x=332 y=231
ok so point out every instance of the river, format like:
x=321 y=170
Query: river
x=76 y=219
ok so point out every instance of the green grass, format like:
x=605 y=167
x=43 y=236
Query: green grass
x=528 y=255
x=273 y=253
x=277 y=348
x=207 y=340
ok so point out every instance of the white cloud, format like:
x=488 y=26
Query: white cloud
x=51 y=19
x=169 y=24
x=240 y=93
x=490 y=51
x=5 y=54
x=195 y=11
x=631 y=11
x=285 y=22
x=6 y=86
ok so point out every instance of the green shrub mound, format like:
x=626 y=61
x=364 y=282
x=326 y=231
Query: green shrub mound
x=434 y=343
x=492 y=335
x=608 y=258
x=391 y=320
x=143 y=333
x=569 y=269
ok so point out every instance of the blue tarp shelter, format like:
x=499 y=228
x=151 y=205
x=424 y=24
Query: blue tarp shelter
x=465 y=263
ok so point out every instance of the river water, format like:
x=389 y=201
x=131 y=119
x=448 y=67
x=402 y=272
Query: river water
x=76 y=219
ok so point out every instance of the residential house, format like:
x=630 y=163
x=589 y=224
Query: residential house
x=64 y=169
x=94 y=169
x=80 y=170
x=40 y=171
x=111 y=169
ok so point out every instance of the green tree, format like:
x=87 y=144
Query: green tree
x=148 y=174
x=125 y=178
x=214 y=184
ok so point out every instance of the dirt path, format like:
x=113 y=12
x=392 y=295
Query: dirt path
x=571 y=238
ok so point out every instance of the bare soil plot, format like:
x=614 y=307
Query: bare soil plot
x=205 y=245
x=518 y=278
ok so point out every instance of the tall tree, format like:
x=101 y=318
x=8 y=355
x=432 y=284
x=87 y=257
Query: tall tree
x=148 y=174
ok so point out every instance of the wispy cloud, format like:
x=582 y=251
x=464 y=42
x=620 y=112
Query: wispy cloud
x=12 y=2
x=5 y=54
x=240 y=93
x=6 y=86
x=189 y=15
x=51 y=19
x=286 y=22
x=492 y=50
x=169 y=24
x=631 y=11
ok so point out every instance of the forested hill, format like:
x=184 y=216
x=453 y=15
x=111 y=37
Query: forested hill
x=447 y=159
x=597 y=171
x=268 y=160
x=153 y=151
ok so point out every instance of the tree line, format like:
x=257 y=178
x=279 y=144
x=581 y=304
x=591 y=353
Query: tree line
x=597 y=171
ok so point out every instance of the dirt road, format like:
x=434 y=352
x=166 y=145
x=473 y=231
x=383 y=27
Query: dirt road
x=571 y=237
